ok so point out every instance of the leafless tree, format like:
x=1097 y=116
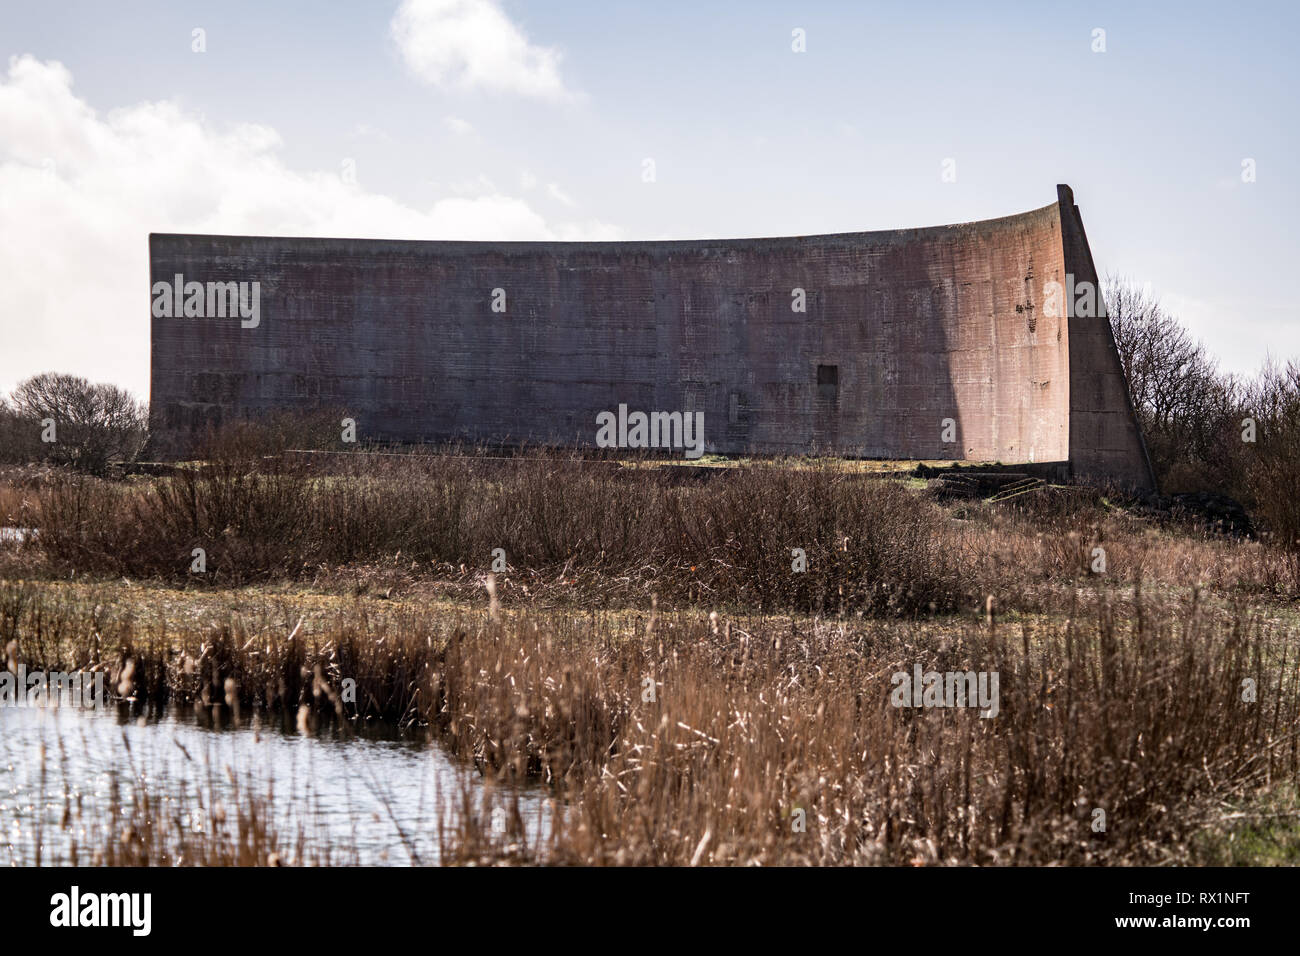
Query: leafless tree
x=1184 y=405
x=78 y=423
x=19 y=442
x=1169 y=374
x=1272 y=459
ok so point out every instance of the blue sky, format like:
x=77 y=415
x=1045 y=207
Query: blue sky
x=497 y=119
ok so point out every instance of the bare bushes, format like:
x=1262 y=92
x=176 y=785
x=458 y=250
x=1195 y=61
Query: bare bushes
x=808 y=538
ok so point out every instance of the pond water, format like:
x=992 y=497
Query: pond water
x=15 y=535
x=373 y=798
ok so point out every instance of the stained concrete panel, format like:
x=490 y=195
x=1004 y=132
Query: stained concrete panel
x=922 y=325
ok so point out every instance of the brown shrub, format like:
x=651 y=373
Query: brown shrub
x=870 y=545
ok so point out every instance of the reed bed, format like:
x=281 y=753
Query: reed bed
x=683 y=738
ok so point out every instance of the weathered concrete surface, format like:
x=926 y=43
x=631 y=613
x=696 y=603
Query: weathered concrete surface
x=1105 y=441
x=903 y=329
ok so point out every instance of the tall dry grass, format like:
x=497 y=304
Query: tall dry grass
x=138 y=826
x=1143 y=720
x=674 y=738
x=618 y=535
x=870 y=546
x=763 y=733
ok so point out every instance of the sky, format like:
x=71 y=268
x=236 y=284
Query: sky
x=500 y=119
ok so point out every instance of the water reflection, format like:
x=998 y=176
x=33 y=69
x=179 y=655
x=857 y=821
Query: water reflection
x=370 y=795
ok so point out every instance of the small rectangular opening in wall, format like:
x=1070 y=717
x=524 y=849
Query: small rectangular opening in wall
x=828 y=381
x=733 y=408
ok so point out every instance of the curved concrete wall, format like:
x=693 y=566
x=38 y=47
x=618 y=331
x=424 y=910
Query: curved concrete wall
x=921 y=343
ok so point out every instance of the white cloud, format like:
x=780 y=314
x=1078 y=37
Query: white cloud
x=471 y=44
x=459 y=126
x=478 y=185
x=80 y=193
x=555 y=192
x=589 y=230
x=364 y=131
